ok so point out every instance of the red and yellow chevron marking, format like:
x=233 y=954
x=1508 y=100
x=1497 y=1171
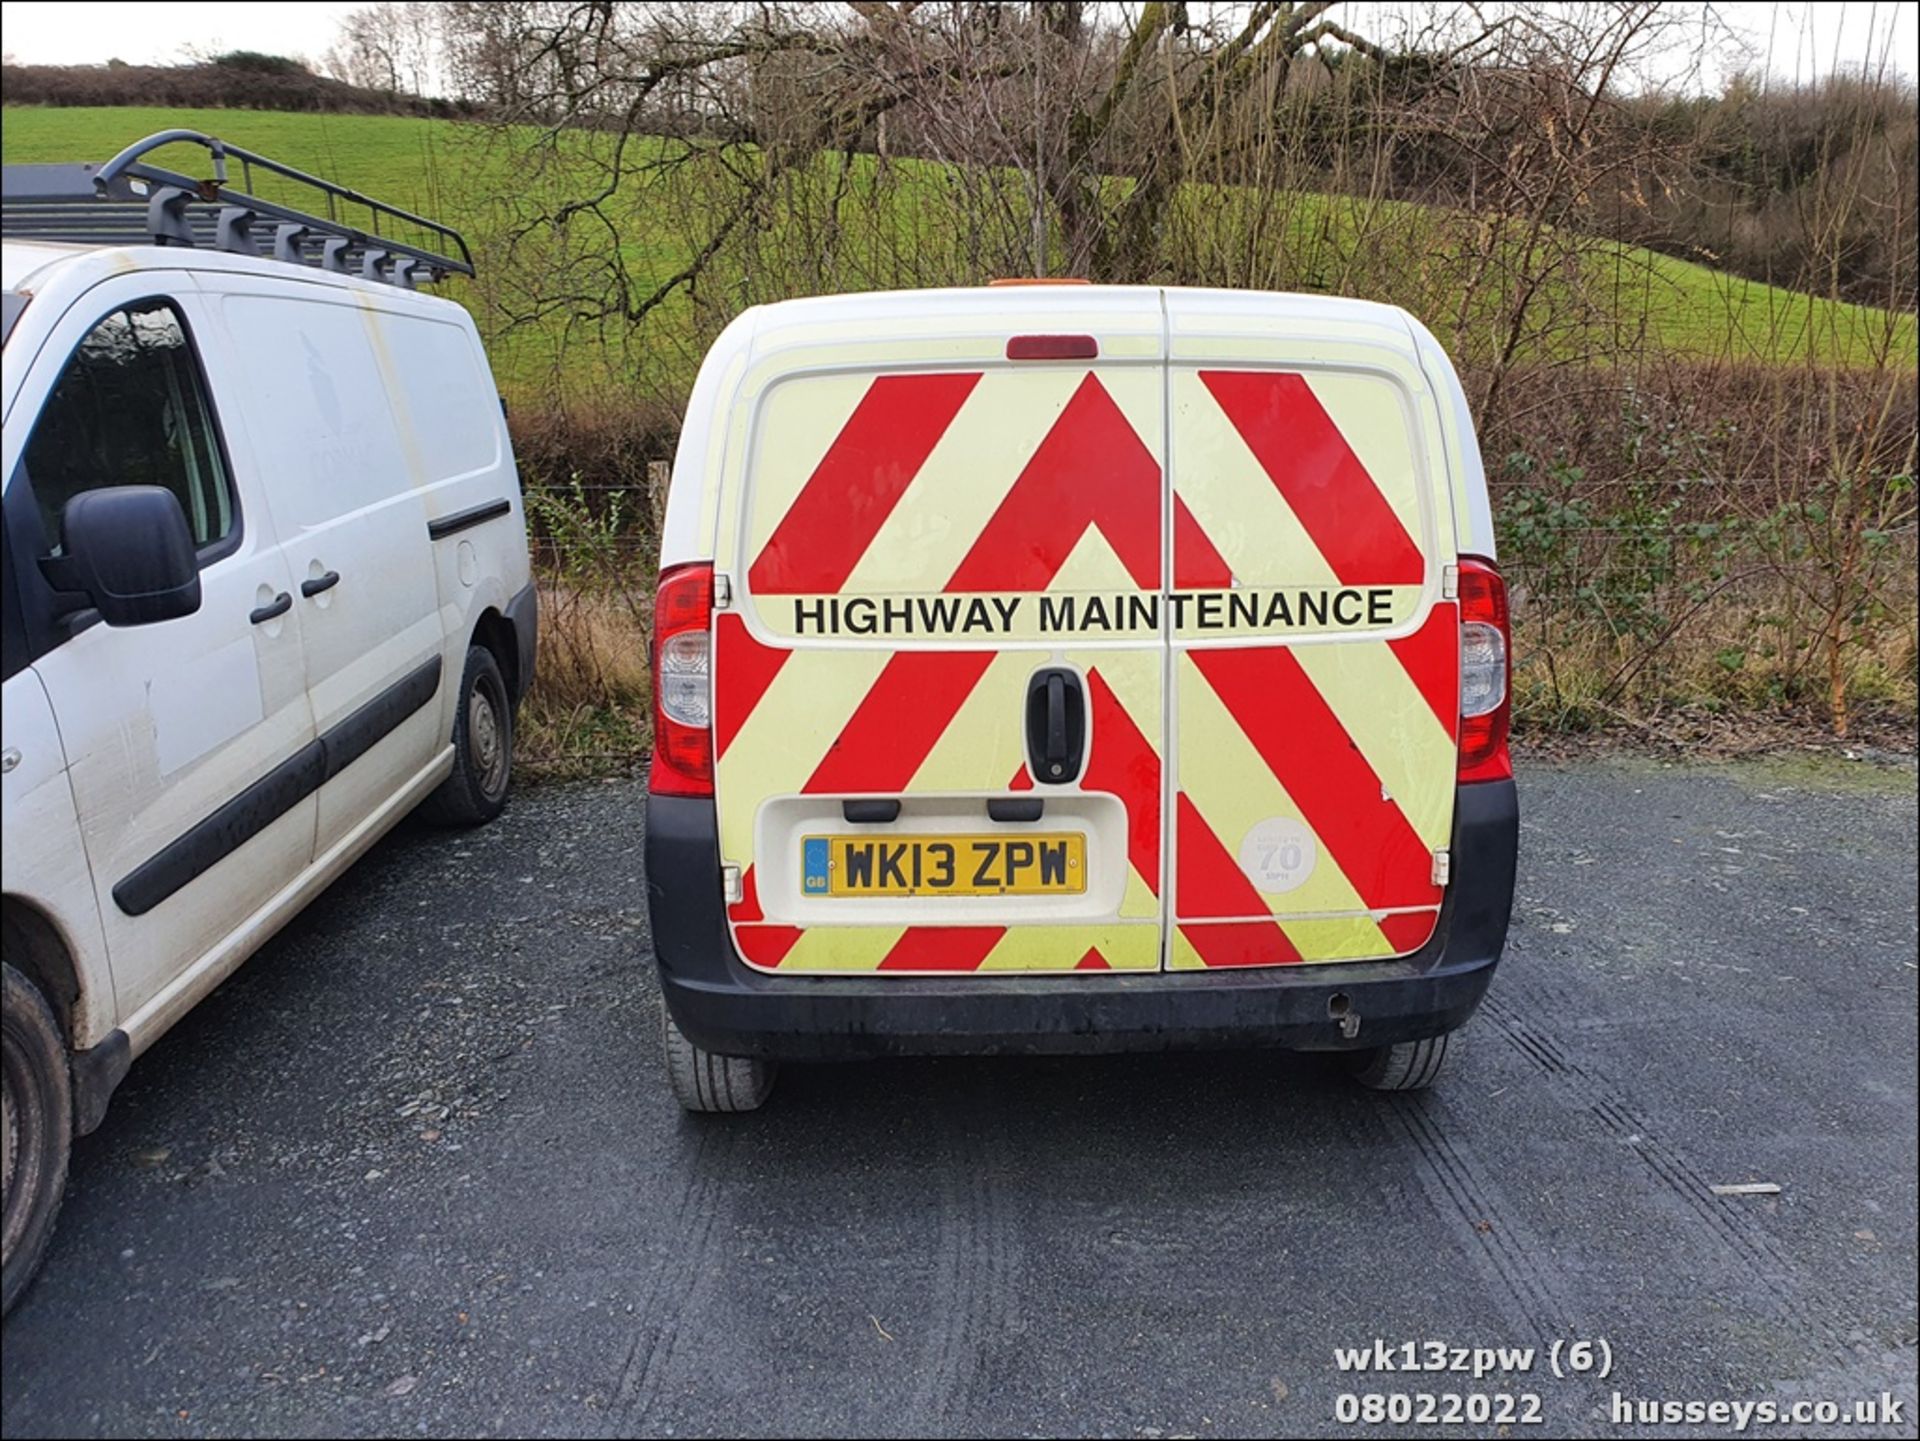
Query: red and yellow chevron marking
x=943 y=950
x=1350 y=745
x=992 y=484
x=1339 y=503
x=963 y=484
x=937 y=725
x=1093 y=473
x=830 y=524
x=999 y=485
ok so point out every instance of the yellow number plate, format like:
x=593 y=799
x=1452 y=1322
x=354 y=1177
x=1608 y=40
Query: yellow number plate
x=1013 y=865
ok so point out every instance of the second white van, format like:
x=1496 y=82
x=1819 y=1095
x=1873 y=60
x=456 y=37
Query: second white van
x=266 y=590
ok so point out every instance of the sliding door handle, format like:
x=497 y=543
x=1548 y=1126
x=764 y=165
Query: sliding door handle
x=311 y=588
x=273 y=609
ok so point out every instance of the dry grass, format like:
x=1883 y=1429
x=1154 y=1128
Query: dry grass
x=1730 y=660
x=1671 y=542
x=589 y=710
x=1730 y=671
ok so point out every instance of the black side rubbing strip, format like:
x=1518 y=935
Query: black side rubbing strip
x=353 y=737
x=223 y=832
x=213 y=839
x=466 y=519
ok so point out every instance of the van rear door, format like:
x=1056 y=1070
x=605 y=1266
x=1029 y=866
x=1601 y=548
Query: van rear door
x=1315 y=650
x=941 y=543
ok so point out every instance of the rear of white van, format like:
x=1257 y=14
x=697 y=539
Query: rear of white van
x=1067 y=667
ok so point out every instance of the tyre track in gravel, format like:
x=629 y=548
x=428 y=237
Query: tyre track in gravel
x=1500 y=1245
x=974 y=1298
x=1740 y=1234
x=700 y=1214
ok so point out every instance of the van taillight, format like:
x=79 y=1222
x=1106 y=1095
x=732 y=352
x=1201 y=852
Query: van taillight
x=1486 y=669
x=683 y=683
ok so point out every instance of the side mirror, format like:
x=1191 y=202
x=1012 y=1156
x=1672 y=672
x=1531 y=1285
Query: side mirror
x=127 y=552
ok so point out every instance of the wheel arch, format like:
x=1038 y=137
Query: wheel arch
x=36 y=947
x=494 y=631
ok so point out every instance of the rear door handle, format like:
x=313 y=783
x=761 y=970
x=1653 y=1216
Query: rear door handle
x=278 y=606
x=311 y=588
x=1056 y=756
x=1056 y=725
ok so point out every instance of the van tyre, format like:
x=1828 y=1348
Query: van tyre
x=706 y=1083
x=36 y=1132
x=1405 y=1066
x=476 y=792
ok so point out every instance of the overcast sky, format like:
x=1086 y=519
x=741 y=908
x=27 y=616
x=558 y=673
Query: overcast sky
x=49 y=32
x=1803 y=38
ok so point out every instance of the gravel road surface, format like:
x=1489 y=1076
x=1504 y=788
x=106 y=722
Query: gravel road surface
x=415 y=1169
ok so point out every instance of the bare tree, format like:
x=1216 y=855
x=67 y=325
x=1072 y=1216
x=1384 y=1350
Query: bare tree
x=1064 y=139
x=671 y=163
x=388 y=47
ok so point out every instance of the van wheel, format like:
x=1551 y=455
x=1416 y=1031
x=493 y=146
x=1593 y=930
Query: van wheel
x=1406 y=1066
x=704 y=1082
x=36 y=1133
x=476 y=792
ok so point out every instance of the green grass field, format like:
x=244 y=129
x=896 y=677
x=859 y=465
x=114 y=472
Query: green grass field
x=462 y=174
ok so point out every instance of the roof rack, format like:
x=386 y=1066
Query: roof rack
x=132 y=201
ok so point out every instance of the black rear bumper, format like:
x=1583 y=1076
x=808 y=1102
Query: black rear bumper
x=523 y=614
x=725 y=1006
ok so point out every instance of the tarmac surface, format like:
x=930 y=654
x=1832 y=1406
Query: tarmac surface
x=415 y=1169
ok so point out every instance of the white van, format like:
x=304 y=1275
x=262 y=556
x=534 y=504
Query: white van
x=266 y=590
x=1058 y=667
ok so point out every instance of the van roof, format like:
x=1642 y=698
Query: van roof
x=1040 y=296
x=27 y=265
x=1133 y=323
x=983 y=311
x=21 y=258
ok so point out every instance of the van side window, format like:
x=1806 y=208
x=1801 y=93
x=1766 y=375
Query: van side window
x=131 y=409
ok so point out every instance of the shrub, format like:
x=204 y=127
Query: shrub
x=261 y=63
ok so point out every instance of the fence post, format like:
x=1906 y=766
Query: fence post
x=658 y=474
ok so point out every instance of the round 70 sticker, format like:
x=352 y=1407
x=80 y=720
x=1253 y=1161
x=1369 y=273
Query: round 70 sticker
x=1278 y=854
